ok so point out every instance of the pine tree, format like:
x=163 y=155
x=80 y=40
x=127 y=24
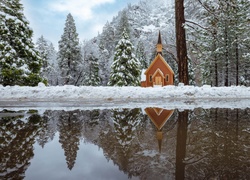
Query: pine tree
x=53 y=69
x=191 y=71
x=242 y=41
x=107 y=37
x=19 y=61
x=69 y=55
x=92 y=75
x=141 y=55
x=123 y=24
x=104 y=64
x=42 y=47
x=47 y=52
x=222 y=41
x=125 y=70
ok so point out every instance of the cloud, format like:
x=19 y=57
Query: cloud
x=47 y=17
x=82 y=9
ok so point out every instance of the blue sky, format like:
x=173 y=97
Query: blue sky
x=47 y=17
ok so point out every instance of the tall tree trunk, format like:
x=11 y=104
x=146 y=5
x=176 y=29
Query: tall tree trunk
x=181 y=46
x=215 y=59
x=237 y=61
x=216 y=73
x=226 y=48
x=227 y=57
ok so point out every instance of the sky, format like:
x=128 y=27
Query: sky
x=47 y=17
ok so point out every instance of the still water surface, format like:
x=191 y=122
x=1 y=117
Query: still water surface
x=151 y=143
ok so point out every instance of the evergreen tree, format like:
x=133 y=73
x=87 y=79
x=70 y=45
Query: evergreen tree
x=48 y=54
x=191 y=71
x=125 y=70
x=141 y=55
x=53 y=68
x=42 y=47
x=123 y=24
x=220 y=41
x=107 y=37
x=19 y=61
x=242 y=41
x=69 y=55
x=104 y=64
x=92 y=74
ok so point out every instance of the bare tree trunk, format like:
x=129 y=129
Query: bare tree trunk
x=237 y=61
x=181 y=46
x=215 y=67
x=226 y=58
x=226 y=49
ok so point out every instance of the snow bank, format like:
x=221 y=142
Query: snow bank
x=168 y=96
x=69 y=92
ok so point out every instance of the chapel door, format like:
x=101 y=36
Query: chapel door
x=158 y=80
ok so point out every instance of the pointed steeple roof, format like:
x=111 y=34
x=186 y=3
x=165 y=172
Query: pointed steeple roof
x=159 y=38
x=159 y=45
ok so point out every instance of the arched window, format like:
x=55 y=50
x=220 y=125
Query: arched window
x=150 y=78
x=167 y=78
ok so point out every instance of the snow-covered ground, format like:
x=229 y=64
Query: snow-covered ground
x=184 y=97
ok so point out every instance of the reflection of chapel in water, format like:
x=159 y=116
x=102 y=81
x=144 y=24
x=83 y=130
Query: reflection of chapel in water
x=159 y=117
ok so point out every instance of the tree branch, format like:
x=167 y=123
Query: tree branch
x=207 y=8
x=172 y=55
x=191 y=22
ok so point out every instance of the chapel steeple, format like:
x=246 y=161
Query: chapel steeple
x=159 y=45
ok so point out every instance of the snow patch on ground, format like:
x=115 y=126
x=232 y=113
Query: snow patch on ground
x=170 y=97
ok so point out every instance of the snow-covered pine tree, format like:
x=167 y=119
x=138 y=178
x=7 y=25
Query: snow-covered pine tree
x=69 y=55
x=48 y=54
x=242 y=41
x=220 y=41
x=53 y=68
x=141 y=55
x=20 y=63
x=92 y=77
x=123 y=24
x=104 y=64
x=125 y=70
x=107 y=37
x=191 y=75
x=42 y=47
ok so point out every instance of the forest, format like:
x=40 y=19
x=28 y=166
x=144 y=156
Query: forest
x=217 y=42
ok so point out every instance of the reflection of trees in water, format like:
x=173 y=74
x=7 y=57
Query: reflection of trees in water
x=126 y=122
x=43 y=137
x=142 y=157
x=218 y=145
x=70 y=127
x=17 y=136
x=181 y=141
